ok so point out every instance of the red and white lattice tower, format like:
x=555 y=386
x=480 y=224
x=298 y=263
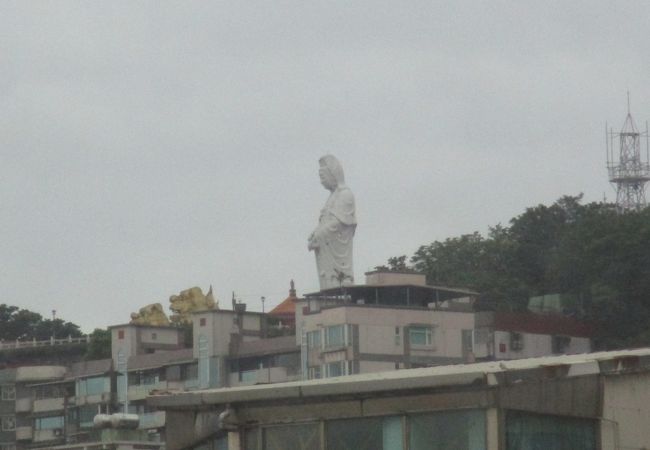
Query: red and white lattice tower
x=629 y=171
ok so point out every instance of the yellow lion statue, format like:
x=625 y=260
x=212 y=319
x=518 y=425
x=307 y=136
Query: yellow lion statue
x=150 y=315
x=188 y=301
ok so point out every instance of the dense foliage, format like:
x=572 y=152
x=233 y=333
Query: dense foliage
x=589 y=252
x=23 y=324
x=99 y=346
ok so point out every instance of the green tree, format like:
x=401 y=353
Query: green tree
x=22 y=324
x=99 y=346
x=597 y=256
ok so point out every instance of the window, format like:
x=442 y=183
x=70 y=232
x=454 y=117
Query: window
x=52 y=391
x=420 y=335
x=398 y=339
x=457 y=430
x=146 y=377
x=252 y=439
x=190 y=372
x=376 y=433
x=86 y=415
x=315 y=372
x=154 y=336
x=48 y=423
x=460 y=430
x=313 y=339
x=337 y=369
x=560 y=344
x=531 y=431
x=481 y=336
x=335 y=336
x=120 y=334
x=295 y=437
x=202 y=322
x=7 y=446
x=8 y=423
x=93 y=386
x=516 y=341
x=8 y=392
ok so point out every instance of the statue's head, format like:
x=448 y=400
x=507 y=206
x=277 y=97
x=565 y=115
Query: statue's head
x=330 y=172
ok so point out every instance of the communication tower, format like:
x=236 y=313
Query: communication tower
x=629 y=172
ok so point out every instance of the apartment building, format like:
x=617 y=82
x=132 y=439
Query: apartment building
x=397 y=321
x=394 y=321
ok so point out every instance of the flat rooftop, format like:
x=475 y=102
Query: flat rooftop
x=468 y=375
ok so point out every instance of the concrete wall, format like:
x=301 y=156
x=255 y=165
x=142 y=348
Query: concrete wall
x=626 y=410
x=48 y=404
x=375 y=366
x=161 y=335
x=377 y=328
x=395 y=278
x=219 y=324
x=39 y=373
x=128 y=344
x=535 y=345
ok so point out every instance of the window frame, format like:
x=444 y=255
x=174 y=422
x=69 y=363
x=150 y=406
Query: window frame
x=315 y=343
x=8 y=392
x=8 y=418
x=423 y=330
x=345 y=336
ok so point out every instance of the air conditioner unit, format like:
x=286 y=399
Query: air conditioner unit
x=58 y=432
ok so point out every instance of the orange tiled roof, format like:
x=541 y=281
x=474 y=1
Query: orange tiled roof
x=288 y=306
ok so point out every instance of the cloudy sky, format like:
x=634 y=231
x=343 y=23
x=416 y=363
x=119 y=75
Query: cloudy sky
x=147 y=147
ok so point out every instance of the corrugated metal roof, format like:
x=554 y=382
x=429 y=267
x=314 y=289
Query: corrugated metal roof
x=430 y=377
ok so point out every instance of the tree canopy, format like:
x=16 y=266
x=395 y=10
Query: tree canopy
x=587 y=251
x=23 y=324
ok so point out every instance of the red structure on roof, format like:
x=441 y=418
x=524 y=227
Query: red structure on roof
x=286 y=310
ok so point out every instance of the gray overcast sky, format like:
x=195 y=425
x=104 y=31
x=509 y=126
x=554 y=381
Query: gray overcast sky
x=147 y=147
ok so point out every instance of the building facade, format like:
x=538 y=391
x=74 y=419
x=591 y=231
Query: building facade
x=394 y=321
x=597 y=401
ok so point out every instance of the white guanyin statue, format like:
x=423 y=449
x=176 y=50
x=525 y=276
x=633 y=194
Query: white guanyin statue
x=331 y=241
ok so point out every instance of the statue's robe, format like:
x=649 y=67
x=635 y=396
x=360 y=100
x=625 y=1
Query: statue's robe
x=333 y=237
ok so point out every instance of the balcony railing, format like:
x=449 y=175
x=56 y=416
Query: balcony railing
x=48 y=404
x=6 y=345
x=152 y=420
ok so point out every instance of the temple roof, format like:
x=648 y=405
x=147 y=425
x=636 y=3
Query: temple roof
x=288 y=305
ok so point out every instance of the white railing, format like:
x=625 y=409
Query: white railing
x=5 y=345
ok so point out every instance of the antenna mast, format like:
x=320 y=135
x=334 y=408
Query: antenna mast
x=630 y=172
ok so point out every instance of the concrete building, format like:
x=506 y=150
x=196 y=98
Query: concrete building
x=394 y=321
x=597 y=401
x=397 y=321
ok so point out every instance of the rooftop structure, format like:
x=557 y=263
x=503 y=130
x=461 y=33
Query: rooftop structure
x=628 y=171
x=580 y=402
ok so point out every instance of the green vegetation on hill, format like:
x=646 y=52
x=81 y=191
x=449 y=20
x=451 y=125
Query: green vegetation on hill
x=588 y=252
x=23 y=324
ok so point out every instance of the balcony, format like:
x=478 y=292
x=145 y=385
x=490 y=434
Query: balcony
x=93 y=399
x=263 y=376
x=24 y=405
x=141 y=391
x=152 y=420
x=48 y=435
x=48 y=404
x=23 y=433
